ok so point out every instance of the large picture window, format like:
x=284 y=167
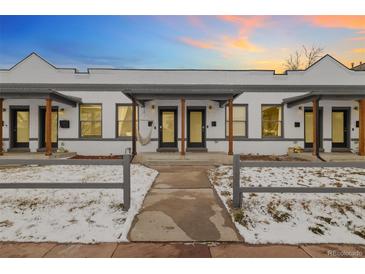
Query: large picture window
x=124 y=120
x=239 y=121
x=90 y=120
x=272 y=123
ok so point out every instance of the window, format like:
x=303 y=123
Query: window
x=272 y=124
x=124 y=120
x=239 y=121
x=90 y=120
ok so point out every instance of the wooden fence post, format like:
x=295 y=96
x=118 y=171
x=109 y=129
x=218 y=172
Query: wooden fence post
x=236 y=181
x=126 y=182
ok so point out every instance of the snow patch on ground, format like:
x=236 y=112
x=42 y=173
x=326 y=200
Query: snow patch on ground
x=296 y=218
x=83 y=216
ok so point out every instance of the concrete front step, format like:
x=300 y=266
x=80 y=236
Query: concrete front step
x=190 y=158
x=178 y=163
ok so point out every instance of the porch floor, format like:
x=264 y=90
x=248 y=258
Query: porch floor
x=341 y=157
x=190 y=158
x=36 y=155
x=330 y=156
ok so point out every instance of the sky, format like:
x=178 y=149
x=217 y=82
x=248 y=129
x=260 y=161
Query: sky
x=180 y=42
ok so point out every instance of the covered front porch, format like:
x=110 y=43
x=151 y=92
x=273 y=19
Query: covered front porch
x=187 y=117
x=32 y=117
x=340 y=121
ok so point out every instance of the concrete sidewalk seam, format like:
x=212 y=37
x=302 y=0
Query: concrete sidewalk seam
x=49 y=250
x=301 y=247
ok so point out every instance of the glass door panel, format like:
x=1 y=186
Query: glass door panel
x=168 y=127
x=54 y=126
x=22 y=127
x=196 y=124
x=340 y=128
x=338 y=135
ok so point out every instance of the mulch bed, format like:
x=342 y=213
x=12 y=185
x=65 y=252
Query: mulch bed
x=250 y=157
x=98 y=157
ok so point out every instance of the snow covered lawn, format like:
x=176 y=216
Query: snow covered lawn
x=74 y=215
x=296 y=218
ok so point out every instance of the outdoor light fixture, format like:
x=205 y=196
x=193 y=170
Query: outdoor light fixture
x=152 y=107
x=356 y=108
x=61 y=111
x=4 y=109
x=300 y=107
x=210 y=107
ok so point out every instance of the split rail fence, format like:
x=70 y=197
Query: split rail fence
x=239 y=190
x=124 y=184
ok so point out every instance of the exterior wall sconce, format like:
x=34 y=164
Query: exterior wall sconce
x=153 y=107
x=61 y=111
x=356 y=108
x=210 y=107
x=300 y=110
x=4 y=109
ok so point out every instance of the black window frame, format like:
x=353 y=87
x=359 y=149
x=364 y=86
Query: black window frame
x=246 y=122
x=117 y=121
x=281 y=121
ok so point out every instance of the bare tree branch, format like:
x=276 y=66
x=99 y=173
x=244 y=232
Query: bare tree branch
x=304 y=58
x=312 y=54
x=293 y=62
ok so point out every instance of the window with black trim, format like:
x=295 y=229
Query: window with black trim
x=271 y=120
x=124 y=120
x=239 y=121
x=90 y=120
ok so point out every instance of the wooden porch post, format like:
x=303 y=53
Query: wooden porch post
x=182 y=106
x=362 y=127
x=134 y=129
x=1 y=126
x=230 y=126
x=315 y=148
x=48 y=126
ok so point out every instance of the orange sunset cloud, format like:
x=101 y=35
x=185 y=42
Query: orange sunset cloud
x=196 y=43
x=338 y=21
x=359 y=50
x=240 y=43
x=247 y=23
x=224 y=44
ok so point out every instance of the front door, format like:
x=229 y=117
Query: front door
x=42 y=127
x=196 y=128
x=168 y=128
x=19 y=127
x=340 y=128
x=308 y=128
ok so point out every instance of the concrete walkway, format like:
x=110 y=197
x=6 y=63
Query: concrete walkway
x=176 y=250
x=182 y=206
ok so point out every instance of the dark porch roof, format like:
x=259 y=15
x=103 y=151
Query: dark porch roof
x=324 y=95
x=219 y=93
x=38 y=93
